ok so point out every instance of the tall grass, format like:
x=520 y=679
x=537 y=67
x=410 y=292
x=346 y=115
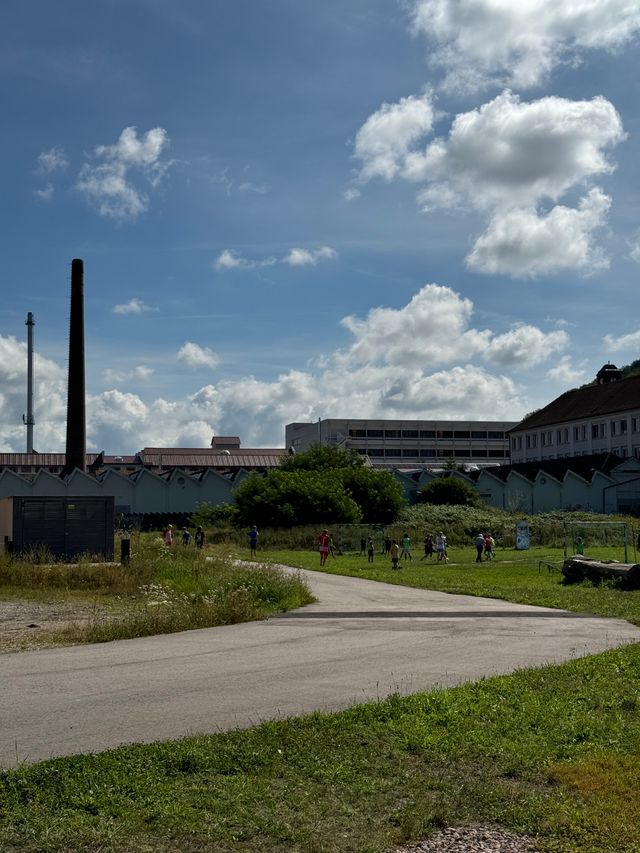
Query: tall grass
x=161 y=590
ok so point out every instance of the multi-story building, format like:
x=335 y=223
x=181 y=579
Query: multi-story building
x=393 y=443
x=603 y=417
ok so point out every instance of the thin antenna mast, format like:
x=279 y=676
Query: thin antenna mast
x=28 y=419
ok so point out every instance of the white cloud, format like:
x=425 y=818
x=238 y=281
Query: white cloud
x=512 y=154
x=46 y=193
x=140 y=373
x=193 y=355
x=351 y=194
x=305 y=257
x=565 y=372
x=133 y=306
x=249 y=187
x=522 y=243
x=51 y=160
x=109 y=186
x=507 y=159
x=229 y=259
x=424 y=359
x=525 y=346
x=504 y=42
x=383 y=141
x=617 y=343
x=634 y=247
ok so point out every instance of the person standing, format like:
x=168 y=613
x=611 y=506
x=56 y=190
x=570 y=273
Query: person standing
x=395 y=554
x=370 y=550
x=199 y=538
x=428 y=547
x=324 y=544
x=441 y=548
x=252 y=535
x=479 y=543
x=167 y=535
x=488 y=546
x=363 y=546
x=406 y=547
x=186 y=536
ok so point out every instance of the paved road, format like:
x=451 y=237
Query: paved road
x=360 y=641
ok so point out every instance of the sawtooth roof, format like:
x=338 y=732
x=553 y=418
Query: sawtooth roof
x=584 y=466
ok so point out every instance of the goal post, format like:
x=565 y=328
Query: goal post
x=584 y=536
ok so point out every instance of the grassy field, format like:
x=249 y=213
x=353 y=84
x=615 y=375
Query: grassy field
x=161 y=590
x=553 y=752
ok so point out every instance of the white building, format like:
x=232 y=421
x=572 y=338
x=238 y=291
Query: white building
x=603 y=417
x=393 y=443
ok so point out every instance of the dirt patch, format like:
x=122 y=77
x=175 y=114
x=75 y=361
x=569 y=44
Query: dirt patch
x=26 y=625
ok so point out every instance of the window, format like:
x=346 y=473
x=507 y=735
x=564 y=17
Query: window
x=565 y=435
x=513 y=444
x=634 y=424
x=528 y=441
x=623 y=426
x=575 y=433
x=613 y=428
x=543 y=439
x=583 y=432
x=392 y=451
x=445 y=433
x=559 y=436
x=496 y=434
x=427 y=433
x=496 y=454
x=478 y=433
x=392 y=433
x=375 y=433
x=480 y=454
x=534 y=440
x=427 y=452
x=445 y=453
x=373 y=451
x=462 y=433
x=463 y=454
x=594 y=430
x=519 y=442
x=410 y=451
x=358 y=433
x=409 y=433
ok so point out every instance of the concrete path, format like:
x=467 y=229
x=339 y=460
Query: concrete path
x=360 y=641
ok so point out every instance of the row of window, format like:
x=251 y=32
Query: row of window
x=616 y=427
x=430 y=453
x=427 y=433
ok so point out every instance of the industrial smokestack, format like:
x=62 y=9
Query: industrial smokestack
x=76 y=425
x=28 y=419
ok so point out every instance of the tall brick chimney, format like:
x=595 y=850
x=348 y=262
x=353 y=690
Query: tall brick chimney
x=76 y=421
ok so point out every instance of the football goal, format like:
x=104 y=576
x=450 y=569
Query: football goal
x=610 y=540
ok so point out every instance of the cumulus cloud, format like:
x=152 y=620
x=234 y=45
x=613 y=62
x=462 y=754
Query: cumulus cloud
x=525 y=346
x=483 y=42
x=508 y=158
x=133 y=306
x=618 y=343
x=45 y=193
x=229 y=259
x=109 y=185
x=383 y=141
x=423 y=359
x=565 y=372
x=193 y=355
x=511 y=154
x=523 y=243
x=140 y=373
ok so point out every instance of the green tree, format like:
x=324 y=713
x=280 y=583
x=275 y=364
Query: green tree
x=287 y=498
x=322 y=457
x=377 y=493
x=449 y=490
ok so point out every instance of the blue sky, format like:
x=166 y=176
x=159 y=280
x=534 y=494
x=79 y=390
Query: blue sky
x=420 y=209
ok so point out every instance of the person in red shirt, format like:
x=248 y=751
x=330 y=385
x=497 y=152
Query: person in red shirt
x=324 y=541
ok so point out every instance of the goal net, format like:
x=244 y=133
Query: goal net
x=600 y=540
